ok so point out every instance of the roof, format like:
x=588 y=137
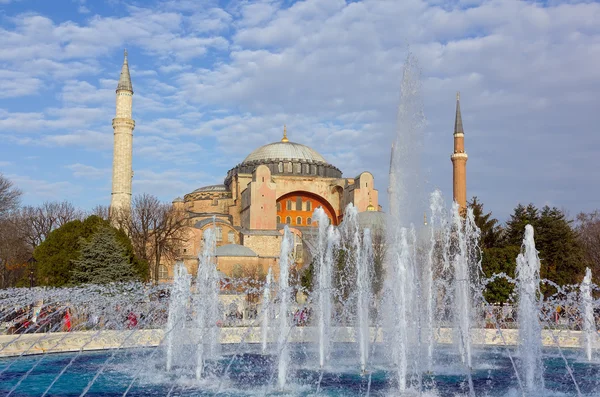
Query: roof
x=260 y=232
x=372 y=219
x=458 y=126
x=125 y=78
x=285 y=150
x=234 y=250
x=211 y=188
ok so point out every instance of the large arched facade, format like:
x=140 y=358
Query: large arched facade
x=296 y=208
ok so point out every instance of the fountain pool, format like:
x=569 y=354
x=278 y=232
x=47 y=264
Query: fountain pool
x=251 y=373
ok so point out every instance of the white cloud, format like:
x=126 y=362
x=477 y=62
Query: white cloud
x=330 y=70
x=89 y=172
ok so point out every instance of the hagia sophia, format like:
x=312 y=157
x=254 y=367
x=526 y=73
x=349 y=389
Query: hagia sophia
x=277 y=184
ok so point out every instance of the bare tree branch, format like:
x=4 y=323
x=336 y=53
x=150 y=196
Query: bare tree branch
x=156 y=230
x=9 y=196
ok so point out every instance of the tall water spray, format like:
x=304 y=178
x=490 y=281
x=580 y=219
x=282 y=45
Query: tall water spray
x=180 y=295
x=437 y=216
x=405 y=324
x=207 y=302
x=462 y=284
x=360 y=257
x=284 y=301
x=363 y=301
x=327 y=241
x=266 y=309
x=406 y=201
x=530 y=330
x=587 y=310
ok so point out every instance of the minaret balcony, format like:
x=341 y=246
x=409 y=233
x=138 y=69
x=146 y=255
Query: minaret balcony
x=123 y=122
x=457 y=156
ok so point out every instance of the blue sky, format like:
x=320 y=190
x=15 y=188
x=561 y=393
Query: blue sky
x=214 y=80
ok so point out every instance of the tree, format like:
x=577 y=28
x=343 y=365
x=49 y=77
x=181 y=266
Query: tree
x=499 y=260
x=102 y=259
x=56 y=254
x=490 y=230
x=157 y=230
x=37 y=223
x=588 y=236
x=560 y=253
x=515 y=226
x=9 y=196
x=103 y=211
x=14 y=254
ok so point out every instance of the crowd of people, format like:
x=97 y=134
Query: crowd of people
x=53 y=318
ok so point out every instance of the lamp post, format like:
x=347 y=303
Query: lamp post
x=31 y=262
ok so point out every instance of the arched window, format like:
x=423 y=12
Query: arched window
x=219 y=233
x=289 y=205
x=231 y=237
x=278 y=207
x=308 y=221
x=278 y=219
x=308 y=206
x=299 y=220
x=288 y=220
x=163 y=272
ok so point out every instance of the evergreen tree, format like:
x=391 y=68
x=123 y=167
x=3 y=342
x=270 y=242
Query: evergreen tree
x=102 y=260
x=515 y=227
x=490 y=230
x=499 y=260
x=56 y=254
x=560 y=253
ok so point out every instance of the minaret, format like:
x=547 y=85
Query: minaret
x=123 y=126
x=459 y=161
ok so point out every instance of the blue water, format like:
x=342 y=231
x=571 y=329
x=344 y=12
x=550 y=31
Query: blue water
x=255 y=374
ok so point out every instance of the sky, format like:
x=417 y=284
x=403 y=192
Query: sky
x=213 y=80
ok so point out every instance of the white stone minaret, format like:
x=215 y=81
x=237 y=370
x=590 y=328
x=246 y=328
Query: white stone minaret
x=123 y=126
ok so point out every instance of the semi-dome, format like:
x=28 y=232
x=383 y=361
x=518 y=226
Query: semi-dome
x=211 y=188
x=285 y=151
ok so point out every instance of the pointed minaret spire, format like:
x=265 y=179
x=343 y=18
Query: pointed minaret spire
x=285 y=138
x=459 y=161
x=125 y=78
x=458 y=127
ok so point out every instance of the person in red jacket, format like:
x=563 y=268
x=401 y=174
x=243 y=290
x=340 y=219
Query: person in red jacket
x=67 y=320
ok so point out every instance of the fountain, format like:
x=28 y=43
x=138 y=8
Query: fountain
x=284 y=302
x=530 y=331
x=207 y=303
x=326 y=242
x=587 y=309
x=422 y=334
x=266 y=309
x=180 y=294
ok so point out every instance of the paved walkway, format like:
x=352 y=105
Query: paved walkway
x=27 y=344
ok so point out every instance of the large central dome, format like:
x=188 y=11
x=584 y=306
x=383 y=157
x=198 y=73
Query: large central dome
x=285 y=158
x=285 y=151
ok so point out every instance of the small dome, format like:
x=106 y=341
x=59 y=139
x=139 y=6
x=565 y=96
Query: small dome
x=234 y=250
x=178 y=200
x=285 y=150
x=211 y=188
